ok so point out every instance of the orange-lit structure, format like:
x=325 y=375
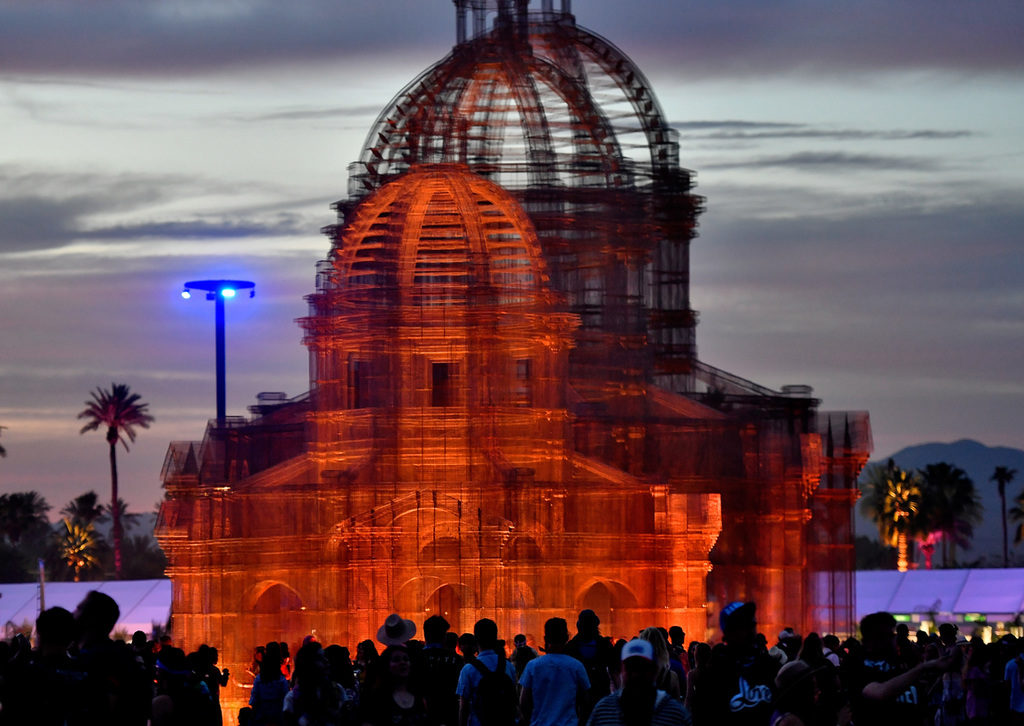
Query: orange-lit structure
x=506 y=415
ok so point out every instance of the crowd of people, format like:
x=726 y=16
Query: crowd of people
x=78 y=675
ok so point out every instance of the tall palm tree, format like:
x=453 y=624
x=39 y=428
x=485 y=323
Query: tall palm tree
x=1002 y=476
x=120 y=411
x=950 y=507
x=20 y=513
x=3 y=451
x=893 y=501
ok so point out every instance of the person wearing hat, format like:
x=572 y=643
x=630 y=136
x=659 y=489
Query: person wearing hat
x=639 y=702
x=396 y=630
x=796 y=694
x=521 y=653
x=393 y=696
x=555 y=685
x=742 y=680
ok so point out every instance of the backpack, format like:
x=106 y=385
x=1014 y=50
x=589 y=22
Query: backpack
x=495 y=703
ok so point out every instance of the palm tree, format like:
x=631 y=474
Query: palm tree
x=77 y=546
x=893 y=500
x=120 y=411
x=1017 y=516
x=143 y=558
x=1002 y=476
x=20 y=513
x=128 y=518
x=85 y=508
x=3 y=451
x=950 y=507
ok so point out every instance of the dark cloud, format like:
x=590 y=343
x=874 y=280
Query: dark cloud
x=732 y=124
x=50 y=216
x=833 y=160
x=30 y=223
x=746 y=38
x=747 y=130
x=307 y=114
x=150 y=37
x=46 y=209
x=197 y=229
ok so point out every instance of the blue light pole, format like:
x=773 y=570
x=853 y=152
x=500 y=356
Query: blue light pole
x=218 y=291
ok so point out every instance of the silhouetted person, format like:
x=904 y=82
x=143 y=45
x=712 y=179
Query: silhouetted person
x=742 y=676
x=182 y=697
x=315 y=698
x=487 y=684
x=639 y=702
x=37 y=687
x=554 y=686
x=113 y=688
x=598 y=657
x=883 y=691
x=269 y=689
x=392 y=696
x=441 y=668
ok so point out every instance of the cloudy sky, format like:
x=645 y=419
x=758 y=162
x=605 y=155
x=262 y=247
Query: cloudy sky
x=863 y=164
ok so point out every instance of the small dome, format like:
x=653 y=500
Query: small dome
x=438 y=235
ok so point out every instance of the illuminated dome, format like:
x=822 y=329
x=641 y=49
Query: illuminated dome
x=439 y=235
x=533 y=100
x=567 y=123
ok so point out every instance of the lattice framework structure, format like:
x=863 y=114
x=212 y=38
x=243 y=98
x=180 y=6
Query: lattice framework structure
x=507 y=416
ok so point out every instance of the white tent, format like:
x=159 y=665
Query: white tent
x=991 y=596
x=143 y=603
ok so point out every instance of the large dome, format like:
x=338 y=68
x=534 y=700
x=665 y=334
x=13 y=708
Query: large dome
x=567 y=124
x=532 y=101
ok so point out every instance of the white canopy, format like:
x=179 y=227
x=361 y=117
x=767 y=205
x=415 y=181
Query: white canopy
x=142 y=602
x=997 y=594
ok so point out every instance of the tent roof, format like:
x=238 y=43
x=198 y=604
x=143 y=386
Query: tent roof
x=991 y=592
x=142 y=602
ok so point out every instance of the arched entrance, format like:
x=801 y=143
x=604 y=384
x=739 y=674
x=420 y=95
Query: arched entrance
x=614 y=605
x=445 y=601
x=276 y=614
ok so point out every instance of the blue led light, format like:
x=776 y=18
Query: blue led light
x=228 y=292
x=186 y=294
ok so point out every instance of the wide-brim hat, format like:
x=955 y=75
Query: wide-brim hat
x=396 y=630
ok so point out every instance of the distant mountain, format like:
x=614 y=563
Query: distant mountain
x=979 y=461
x=145 y=526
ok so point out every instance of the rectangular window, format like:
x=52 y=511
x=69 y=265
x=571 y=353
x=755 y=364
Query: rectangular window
x=440 y=384
x=359 y=383
x=522 y=392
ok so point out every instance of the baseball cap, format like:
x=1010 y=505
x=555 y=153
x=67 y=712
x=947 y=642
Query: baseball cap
x=637 y=648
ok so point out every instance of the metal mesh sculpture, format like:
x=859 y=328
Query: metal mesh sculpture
x=507 y=416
